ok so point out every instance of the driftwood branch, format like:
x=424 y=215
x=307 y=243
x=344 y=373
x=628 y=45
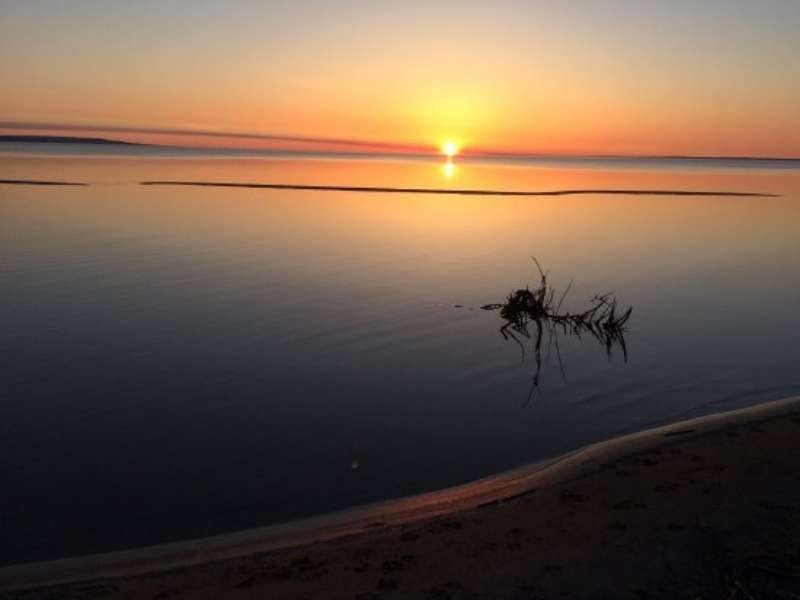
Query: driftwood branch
x=603 y=319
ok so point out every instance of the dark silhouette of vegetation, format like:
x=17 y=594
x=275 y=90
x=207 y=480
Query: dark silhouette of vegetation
x=525 y=309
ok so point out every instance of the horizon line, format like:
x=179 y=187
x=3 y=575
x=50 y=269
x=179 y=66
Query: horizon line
x=390 y=148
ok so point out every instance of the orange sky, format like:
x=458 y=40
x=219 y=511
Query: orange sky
x=606 y=77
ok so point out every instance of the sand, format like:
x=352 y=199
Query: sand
x=707 y=508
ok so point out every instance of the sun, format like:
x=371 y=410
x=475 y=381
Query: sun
x=450 y=148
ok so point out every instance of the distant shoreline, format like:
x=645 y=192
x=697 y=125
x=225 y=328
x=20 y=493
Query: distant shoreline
x=375 y=524
x=62 y=139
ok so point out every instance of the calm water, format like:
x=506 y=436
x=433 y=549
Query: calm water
x=180 y=362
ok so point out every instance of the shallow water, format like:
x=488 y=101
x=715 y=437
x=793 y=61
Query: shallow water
x=180 y=362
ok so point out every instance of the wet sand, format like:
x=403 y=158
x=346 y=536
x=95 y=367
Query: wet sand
x=708 y=508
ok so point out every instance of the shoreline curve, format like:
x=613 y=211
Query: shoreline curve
x=491 y=490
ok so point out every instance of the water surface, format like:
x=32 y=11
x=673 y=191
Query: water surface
x=185 y=361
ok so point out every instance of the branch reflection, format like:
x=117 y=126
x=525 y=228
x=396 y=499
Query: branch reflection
x=534 y=314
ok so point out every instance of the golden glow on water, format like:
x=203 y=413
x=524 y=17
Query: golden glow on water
x=573 y=219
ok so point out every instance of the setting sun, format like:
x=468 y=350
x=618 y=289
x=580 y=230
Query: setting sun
x=449 y=148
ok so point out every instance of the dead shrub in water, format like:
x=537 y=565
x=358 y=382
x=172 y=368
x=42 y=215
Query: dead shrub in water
x=525 y=308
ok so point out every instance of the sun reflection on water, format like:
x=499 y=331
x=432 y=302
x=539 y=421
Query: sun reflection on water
x=449 y=169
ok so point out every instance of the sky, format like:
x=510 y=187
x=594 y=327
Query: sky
x=701 y=77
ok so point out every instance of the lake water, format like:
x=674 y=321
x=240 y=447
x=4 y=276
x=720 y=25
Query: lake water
x=178 y=362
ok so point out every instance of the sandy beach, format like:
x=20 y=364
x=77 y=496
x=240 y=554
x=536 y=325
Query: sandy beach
x=706 y=508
